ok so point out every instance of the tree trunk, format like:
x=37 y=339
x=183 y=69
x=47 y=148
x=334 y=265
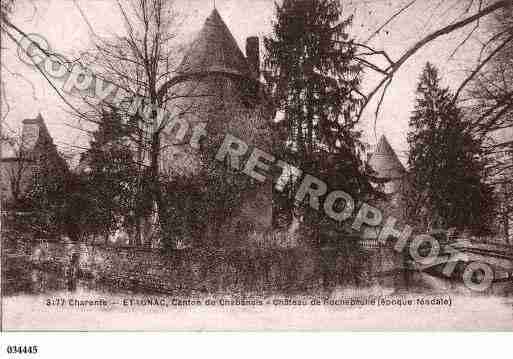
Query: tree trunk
x=154 y=170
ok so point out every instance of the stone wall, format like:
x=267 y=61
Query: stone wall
x=186 y=272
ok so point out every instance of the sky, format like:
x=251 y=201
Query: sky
x=67 y=25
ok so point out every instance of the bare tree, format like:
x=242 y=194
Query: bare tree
x=17 y=170
x=141 y=63
x=490 y=106
x=486 y=93
x=472 y=12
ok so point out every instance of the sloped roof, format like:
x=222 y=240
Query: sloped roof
x=385 y=162
x=214 y=50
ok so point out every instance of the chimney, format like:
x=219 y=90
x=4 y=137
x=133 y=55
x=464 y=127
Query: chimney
x=30 y=132
x=253 y=55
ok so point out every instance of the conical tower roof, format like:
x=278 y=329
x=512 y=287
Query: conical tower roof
x=214 y=50
x=385 y=162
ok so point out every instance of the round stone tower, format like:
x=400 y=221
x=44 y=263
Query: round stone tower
x=217 y=87
x=387 y=166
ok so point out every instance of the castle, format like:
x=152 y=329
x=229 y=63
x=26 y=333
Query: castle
x=23 y=157
x=217 y=86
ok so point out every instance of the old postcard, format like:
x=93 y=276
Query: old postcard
x=256 y=165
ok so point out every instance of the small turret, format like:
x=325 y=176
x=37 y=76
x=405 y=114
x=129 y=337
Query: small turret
x=386 y=164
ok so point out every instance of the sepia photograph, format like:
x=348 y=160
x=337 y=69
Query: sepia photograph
x=256 y=165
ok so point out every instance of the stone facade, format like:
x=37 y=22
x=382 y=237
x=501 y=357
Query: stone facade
x=388 y=169
x=219 y=88
x=21 y=160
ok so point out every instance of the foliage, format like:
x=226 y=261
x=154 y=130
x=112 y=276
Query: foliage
x=490 y=106
x=109 y=191
x=315 y=81
x=445 y=160
x=201 y=205
x=116 y=185
x=47 y=195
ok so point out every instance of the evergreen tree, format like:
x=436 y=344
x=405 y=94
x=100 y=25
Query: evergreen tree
x=47 y=196
x=315 y=79
x=115 y=190
x=444 y=159
x=313 y=75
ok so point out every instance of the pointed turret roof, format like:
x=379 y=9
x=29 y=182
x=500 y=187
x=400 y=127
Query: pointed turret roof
x=385 y=162
x=214 y=50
